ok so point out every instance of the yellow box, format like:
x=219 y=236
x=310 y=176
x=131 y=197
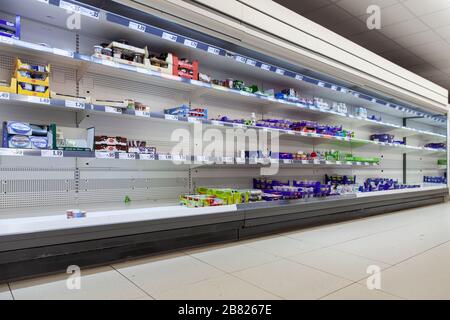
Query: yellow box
x=45 y=94
x=12 y=88
x=24 y=67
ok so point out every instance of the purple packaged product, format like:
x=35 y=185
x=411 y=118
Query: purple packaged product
x=435 y=145
x=39 y=143
x=382 y=137
x=21 y=128
x=19 y=142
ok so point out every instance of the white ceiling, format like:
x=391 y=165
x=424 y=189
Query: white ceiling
x=415 y=34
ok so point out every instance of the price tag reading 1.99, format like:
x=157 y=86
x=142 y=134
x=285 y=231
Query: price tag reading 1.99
x=52 y=153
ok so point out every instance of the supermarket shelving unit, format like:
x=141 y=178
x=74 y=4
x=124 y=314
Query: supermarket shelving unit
x=38 y=186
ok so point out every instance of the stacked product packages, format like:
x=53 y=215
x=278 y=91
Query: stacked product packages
x=300 y=126
x=187 y=112
x=123 y=145
x=21 y=135
x=436 y=180
x=122 y=52
x=32 y=80
x=277 y=190
x=383 y=184
x=111 y=144
x=210 y=197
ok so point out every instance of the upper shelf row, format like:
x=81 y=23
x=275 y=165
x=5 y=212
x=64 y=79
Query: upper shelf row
x=196 y=88
x=112 y=22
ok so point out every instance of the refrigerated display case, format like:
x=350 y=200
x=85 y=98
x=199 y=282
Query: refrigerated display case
x=344 y=148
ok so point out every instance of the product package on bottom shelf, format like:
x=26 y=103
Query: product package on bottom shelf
x=383 y=184
x=276 y=190
x=209 y=197
x=436 y=180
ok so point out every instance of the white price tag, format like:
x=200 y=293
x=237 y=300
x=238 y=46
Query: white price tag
x=240 y=160
x=75 y=104
x=52 y=153
x=245 y=93
x=265 y=67
x=287 y=161
x=105 y=155
x=142 y=70
x=112 y=110
x=109 y=63
x=316 y=161
x=146 y=156
x=4 y=96
x=214 y=51
x=165 y=157
x=356 y=94
x=338 y=163
x=63 y=53
x=305 y=161
x=200 y=159
x=43 y=1
x=170 y=37
x=171 y=117
x=358 y=163
x=298 y=77
x=140 y=113
x=343 y=90
x=227 y=160
x=374 y=100
x=194 y=120
x=293 y=133
x=334 y=88
x=127 y=156
x=12 y=152
x=190 y=43
x=321 y=84
x=6 y=40
x=240 y=59
x=239 y=125
x=38 y=100
x=137 y=26
x=251 y=62
x=280 y=71
x=217 y=123
x=178 y=158
x=78 y=9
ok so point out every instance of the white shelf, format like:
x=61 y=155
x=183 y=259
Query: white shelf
x=21 y=100
x=58 y=221
x=196 y=88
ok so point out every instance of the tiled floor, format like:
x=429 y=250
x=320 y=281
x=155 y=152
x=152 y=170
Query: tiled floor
x=411 y=248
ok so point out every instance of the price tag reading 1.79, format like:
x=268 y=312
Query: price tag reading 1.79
x=75 y=104
x=190 y=43
x=137 y=26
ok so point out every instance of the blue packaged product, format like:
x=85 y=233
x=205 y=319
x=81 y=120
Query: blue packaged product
x=39 y=143
x=20 y=128
x=39 y=130
x=19 y=142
